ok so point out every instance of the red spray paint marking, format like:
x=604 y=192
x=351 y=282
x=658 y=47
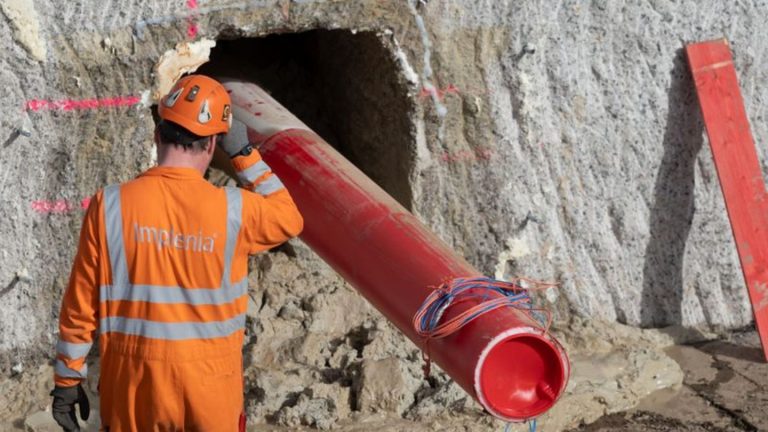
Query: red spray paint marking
x=285 y=9
x=482 y=153
x=440 y=93
x=82 y=104
x=192 y=19
x=59 y=206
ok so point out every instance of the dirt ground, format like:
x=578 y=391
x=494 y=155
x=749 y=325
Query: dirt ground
x=725 y=389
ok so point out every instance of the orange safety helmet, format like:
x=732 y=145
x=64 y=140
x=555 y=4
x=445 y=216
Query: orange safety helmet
x=199 y=104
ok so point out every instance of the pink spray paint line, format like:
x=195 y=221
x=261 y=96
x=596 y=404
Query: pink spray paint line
x=59 y=206
x=192 y=19
x=440 y=93
x=191 y=28
x=479 y=154
x=81 y=104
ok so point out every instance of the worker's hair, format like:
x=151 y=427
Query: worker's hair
x=173 y=134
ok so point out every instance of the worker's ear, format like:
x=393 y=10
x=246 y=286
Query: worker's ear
x=211 y=145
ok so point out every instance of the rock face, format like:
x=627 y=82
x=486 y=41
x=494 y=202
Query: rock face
x=383 y=388
x=559 y=142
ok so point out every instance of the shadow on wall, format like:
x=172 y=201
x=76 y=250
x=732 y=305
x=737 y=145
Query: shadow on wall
x=673 y=206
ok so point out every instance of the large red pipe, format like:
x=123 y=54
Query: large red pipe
x=514 y=369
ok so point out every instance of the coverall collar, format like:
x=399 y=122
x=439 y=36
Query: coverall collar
x=176 y=173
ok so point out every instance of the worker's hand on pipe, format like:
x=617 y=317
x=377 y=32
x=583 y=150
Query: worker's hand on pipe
x=236 y=142
x=64 y=400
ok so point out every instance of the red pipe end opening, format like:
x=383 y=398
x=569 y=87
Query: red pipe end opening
x=520 y=376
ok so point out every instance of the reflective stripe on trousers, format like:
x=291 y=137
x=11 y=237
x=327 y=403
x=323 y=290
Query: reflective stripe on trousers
x=123 y=289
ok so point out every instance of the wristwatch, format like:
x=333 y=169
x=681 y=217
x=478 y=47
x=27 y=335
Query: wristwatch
x=245 y=151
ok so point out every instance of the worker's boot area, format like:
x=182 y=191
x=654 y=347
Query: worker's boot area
x=559 y=142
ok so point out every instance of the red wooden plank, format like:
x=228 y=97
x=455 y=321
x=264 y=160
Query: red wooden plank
x=738 y=167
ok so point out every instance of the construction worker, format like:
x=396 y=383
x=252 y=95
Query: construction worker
x=161 y=274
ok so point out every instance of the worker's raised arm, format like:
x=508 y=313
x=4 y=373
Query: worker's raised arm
x=78 y=319
x=270 y=216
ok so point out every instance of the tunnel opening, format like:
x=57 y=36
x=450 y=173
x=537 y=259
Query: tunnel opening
x=344 y=85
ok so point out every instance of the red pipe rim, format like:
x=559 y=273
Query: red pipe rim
x=521 y=373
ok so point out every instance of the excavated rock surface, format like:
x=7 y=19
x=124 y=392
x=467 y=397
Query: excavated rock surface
x=553 y=141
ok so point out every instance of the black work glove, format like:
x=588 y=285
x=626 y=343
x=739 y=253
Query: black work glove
x=64 y=400
x=235 y=142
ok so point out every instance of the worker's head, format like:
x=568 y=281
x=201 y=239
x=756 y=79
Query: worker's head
x=194 y=115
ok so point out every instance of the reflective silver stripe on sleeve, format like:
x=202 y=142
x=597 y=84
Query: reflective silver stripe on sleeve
x=271 y=184
x=113 y=218
x=173 y=330
x=234 y=216
x=73 y=350
x=63 y=371
x=253 y=172
x=174 y=294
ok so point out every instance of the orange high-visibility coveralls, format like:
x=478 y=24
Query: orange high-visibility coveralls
x=161 y=273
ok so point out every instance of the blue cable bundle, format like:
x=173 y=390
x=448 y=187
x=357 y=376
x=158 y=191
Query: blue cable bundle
x=479 y=290
x=531 y=426
x=486 y=294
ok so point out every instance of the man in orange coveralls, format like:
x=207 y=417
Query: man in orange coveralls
x=161 y=273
